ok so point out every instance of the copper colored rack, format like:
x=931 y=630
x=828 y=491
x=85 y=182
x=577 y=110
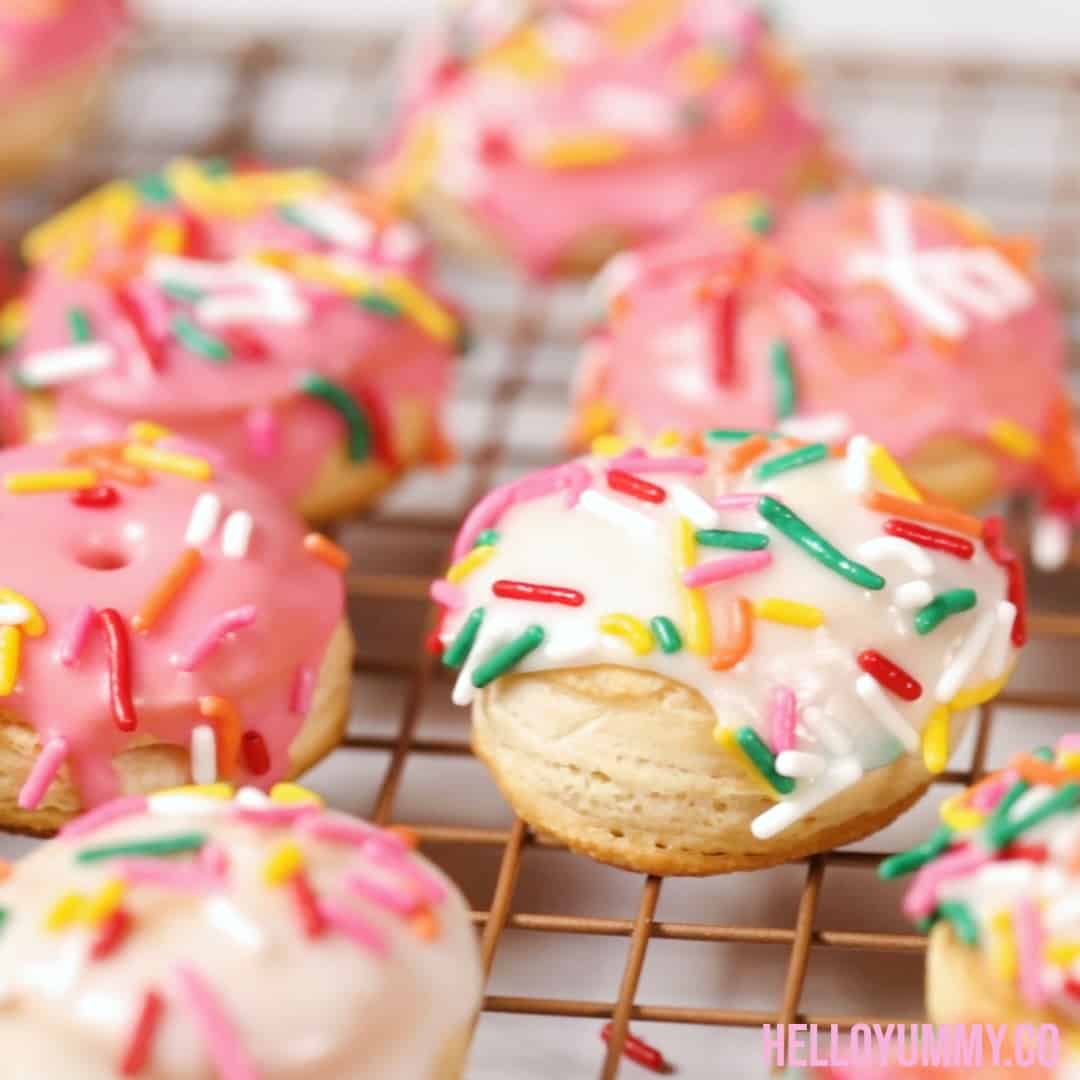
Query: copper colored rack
x=1004 y=138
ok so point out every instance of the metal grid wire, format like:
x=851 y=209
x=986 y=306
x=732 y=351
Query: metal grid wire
x=1004 y=138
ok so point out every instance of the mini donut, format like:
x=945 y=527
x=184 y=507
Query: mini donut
x=551 y=135
x=693 y=662
x=870 y=310
x=195 y=934
x=53 y=54
x=284 y=319
x=160 y=619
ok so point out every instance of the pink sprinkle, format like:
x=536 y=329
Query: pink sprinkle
x=399 y=901
x=98 y=818
x=447 y=595
x=430 y=887
x=346 y=921
x=226 y=623
x=74 y=639
x=1029 y=948
x=302 y=689
x=708 y=573
x=922 y=897
x=659 y=464
x=264 y=432
x=743 y=501
x=189 y=877
x=214 y=859
x=274 y=816
x=783 y=712
x=985 y=798
x=339 y=830
x=222 y=1040
x=52 y=756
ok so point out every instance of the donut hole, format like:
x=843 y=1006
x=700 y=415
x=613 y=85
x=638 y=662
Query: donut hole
x=102 y=555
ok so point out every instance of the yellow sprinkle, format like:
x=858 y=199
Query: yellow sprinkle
x=146 y=431
x=596 y=419
x=700 y=67
x=958 y=817
x=525 y=53
x=149 y=457
x=12 y=321
x=466 y=565
x=1069 y=760
x=221 y=791
x=243 y=194
x=101 y=906
x=168 y=238
x=790 y=612
x=935 y=740
x=725 y=737
x=584 y=151
x=321 y=271
x=68 y=910
x=1003 y=957
x=286 y=862
x=10 y=656
x=35 y=625
x=420 y=306
x=979 y=695
x=290 y=794
x=668 y=440
x=888 y=473
x=631 y=629
x=34 y=483
x=695 y=610
x=608 y=445
x=115 y=205
x=1014 y=439
x=1060 y=952
x=633 y=23
x=414 y=169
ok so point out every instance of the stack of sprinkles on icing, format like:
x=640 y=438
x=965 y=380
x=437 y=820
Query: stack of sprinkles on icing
x=998 y=883
x=160 y=618
x=256 y=311
x=197 y=932
x=826 y=623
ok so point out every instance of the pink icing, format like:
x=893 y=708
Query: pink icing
x=51 y=548
x=855 y=350
x=748 y=128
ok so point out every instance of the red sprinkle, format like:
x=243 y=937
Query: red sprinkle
x=724 y=325
x=245 y=343
x=382 y=426
x=628 y=484
x=116 y=635
x=113 y=931
x=639 y=1051
x=132 y=311
x=890 y=675
x=256 y=756
x=1032 y=852
x=960 y=546
x=307 y=905
x=540 y=594
x=812 y=296
x=141 y=1045
x=1072 y=987
x=999 y=550
x=96 y=498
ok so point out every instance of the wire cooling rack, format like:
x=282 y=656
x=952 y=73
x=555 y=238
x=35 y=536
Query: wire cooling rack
x=695 y=965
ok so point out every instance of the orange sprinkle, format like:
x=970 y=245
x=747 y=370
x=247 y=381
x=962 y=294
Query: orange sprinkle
x=114 y=469
x=740 y=635
x=746 y=453
x=81 y=455
x=1061 y=456
x=1035 y=771
x=6 y=869
x=226 y=721
x=932 y=515
x=426 y=926
x=318 y=545
x=177 y=577
x=410 y=837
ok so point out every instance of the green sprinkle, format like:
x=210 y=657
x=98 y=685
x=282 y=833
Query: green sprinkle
x=488 y=538
x=731 y=538
x=764 y=759
x=79 y=324
x=942 y=606
x=510 y=654
x=217 y=166
x=998 y=825
x=159 y=845
x=1065 y=798
x=728 y=434
x=465 y=339
x=295 y=217
x=380 y=304
x=814 y=544
x=186 y=294
x=337 y=397
x=154 y=188
x=797 y=459
x=761 y=221
x=927 y=923
x=666 y=633
x=4 y=913
x=784 y=375
x=959 y=914
x=198 y=341
x=461 y=646
x=1043 y=753
x=907 y=862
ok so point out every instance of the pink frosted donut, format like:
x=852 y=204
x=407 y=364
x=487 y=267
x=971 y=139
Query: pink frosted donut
x=52 y=53
x=554 y=134
x=160 y=618
x=868 y=311
x=282 y=319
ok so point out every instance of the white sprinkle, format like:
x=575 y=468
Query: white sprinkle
x=857 y=464
x=838 y=776
x=1063 y=913
x=967 y=656
x=236 y=536
x=869 y=689
x=283 y=309
x=827 y=427
x=204 y=275
x=487 y=642
x=615 y=513
x=618 y=273
x=881 y=548
x=913 y=594
x=203 y=755
x=401 y=242
x=225 y=916
x=181 y=804
x=13 y=614
x=819 y=723
x=71 y=362
x=252 y=796
x=691 y=505
x=1051 y=542
x=1000 y=649
x=799 y=763
x=335 y=223
x=204 y=519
